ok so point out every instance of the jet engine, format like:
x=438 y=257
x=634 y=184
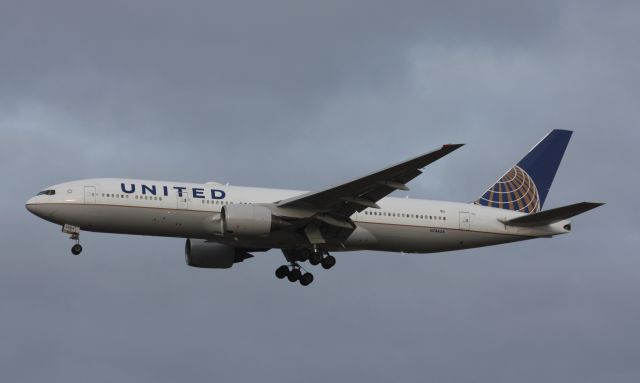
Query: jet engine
x=249 y=220
x=212 y=255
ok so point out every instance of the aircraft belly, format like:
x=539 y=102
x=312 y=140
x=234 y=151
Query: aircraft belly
x=164 y=222
x=136 y=220
x=419 y=239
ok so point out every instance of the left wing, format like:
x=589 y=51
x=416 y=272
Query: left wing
x=359 y=194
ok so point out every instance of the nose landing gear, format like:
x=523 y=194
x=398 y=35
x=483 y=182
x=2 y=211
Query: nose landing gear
x=74 y=232
x=76 y=249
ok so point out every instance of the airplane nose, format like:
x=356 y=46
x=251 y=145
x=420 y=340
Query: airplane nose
x=40 y=209
x=29 y=204
x=34 y=207
x=31 y=207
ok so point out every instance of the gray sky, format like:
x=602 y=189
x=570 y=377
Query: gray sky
x=301 y=94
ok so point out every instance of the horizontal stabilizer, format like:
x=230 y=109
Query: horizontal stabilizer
x=550 y=216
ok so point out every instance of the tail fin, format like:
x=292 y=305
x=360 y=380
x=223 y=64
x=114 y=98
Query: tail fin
x=525 y=186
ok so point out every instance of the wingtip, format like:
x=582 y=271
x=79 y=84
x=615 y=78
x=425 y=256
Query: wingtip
x=452 y=146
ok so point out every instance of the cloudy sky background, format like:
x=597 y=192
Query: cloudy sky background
x=304 y=94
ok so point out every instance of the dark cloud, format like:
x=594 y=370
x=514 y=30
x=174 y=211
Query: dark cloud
x=303 y=95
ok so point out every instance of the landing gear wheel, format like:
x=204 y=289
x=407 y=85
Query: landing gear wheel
x=282 y=272
x=76 y=249
x=306 y=279
x=315 y=258
x=294 y=275
x=328 y=262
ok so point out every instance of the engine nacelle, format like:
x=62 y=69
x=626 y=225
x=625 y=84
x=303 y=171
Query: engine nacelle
x=212 y=255
x=246 y=219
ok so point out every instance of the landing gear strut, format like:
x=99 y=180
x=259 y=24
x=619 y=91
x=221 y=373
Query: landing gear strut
x=74 y=232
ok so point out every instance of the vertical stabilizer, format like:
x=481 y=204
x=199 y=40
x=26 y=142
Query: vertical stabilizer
x=525 y=186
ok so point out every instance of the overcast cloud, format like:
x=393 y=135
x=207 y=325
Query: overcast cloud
x=302 y=95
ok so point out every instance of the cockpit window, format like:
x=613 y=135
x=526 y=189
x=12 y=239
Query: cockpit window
x=47 y=192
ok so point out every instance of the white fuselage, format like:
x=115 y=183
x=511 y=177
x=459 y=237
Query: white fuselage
x=188 y=210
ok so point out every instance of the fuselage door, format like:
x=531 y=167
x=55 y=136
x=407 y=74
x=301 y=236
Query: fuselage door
x=183 y=201
x=465 y=221
x=89 y=194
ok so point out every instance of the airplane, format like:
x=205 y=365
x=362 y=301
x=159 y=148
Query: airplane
x=224 y=225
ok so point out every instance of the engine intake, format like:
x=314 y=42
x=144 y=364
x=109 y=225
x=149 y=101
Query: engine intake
x=212 y=255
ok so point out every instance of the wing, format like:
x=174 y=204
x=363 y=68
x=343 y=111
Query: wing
x=359 y=194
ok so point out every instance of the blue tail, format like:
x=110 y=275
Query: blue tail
x=525 y=186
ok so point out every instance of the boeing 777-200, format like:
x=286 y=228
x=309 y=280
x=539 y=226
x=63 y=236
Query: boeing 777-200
x=224 y=225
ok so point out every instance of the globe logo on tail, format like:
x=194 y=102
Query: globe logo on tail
x=514 y=191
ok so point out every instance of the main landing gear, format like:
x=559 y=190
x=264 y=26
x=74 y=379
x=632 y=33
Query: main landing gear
x=74 y=233
x=328 y=262
x=295 y=273
x=320 y=258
